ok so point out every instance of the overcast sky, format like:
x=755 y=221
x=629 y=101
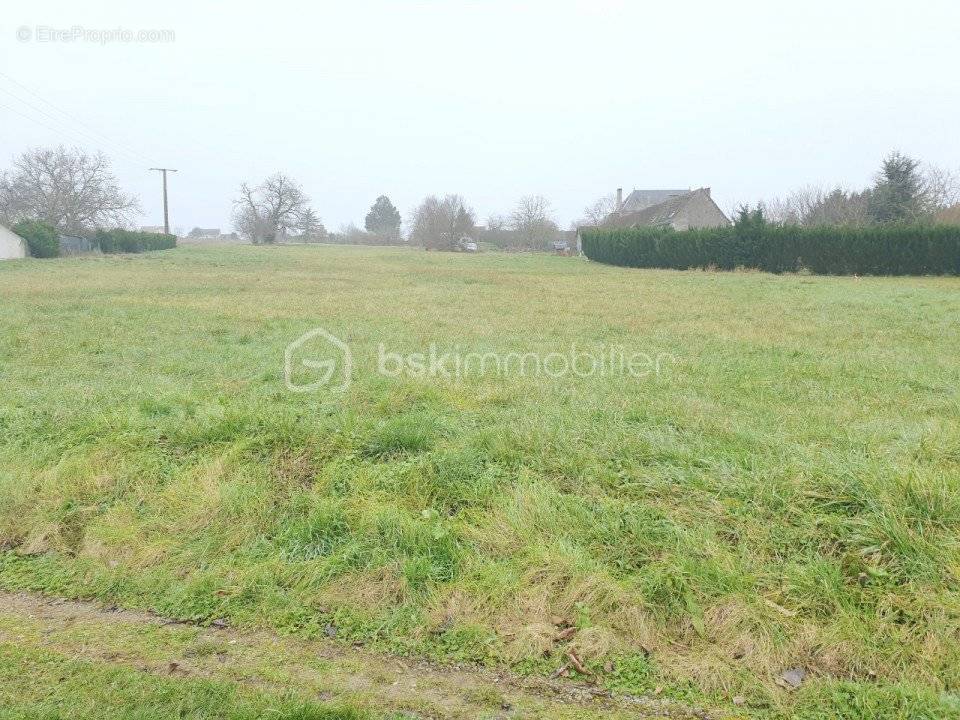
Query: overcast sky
x=490 y=100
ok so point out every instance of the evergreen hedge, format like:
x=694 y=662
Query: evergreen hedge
x=834 y=250
x=131 y=241
x=42 y=238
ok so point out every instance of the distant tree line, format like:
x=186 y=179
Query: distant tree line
x=55 y=192
x=904 y=191
x=381 y=226
x=448 y=223
x=529 y=226
x=76 y=193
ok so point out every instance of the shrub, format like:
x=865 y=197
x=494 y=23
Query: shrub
x=892 y=249
x=42 y=238
x=131 y=241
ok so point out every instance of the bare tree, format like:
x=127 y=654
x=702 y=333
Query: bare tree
x=499 y=233
x=350 y=234
x=814 y=205
x=599 y=210
x=940 y=188
x=532 y=222
x=67 y=188
x=949 y=215
x=496 y=223
x=272 y=210
x=440 y=224
x=780 y=211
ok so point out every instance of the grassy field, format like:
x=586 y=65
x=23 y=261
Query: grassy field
x=784 y=493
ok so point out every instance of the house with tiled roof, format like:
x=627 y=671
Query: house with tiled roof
x=642 y=199
x=679 y=209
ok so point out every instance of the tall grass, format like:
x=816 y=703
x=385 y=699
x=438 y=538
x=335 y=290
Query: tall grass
x=785 y=494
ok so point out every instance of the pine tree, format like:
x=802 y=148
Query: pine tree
x=383 y=219
x=898 y=193
x=311 y=227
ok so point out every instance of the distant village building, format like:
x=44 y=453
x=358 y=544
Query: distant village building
x=12 y=246
x=200 y=233
x=151 y=228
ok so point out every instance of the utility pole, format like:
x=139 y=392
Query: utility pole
x=166 y=216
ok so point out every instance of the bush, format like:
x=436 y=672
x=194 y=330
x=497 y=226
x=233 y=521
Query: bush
x=130 y=241
x=42 y=238
x=831 y=250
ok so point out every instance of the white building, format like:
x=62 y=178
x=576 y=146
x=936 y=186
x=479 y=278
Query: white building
x=12 y=246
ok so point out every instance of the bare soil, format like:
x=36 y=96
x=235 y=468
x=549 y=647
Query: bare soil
x=315 y=669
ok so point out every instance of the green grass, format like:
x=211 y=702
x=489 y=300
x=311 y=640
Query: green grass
x=785 y=493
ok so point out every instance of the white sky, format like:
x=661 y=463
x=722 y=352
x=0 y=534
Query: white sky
x=491 y=100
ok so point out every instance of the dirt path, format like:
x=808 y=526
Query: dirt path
x=323 y=670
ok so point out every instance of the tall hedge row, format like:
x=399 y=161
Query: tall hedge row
x=834 y=250
x=131 y=241
x=42 y=238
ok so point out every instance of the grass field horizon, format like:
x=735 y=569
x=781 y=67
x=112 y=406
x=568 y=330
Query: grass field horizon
x=784 y=493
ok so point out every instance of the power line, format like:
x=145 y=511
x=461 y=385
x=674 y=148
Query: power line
x=117 y=146
x=59 y=131
x=63 y=127
x=69 y=134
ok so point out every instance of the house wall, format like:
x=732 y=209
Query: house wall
x=12 y=246
x=700 y=211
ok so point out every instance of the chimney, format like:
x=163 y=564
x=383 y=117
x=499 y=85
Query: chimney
x=619 y=199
